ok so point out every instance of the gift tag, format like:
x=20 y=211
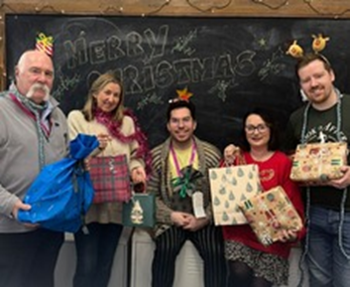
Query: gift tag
x=197 y=204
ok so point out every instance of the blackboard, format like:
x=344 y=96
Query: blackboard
x=230 y=64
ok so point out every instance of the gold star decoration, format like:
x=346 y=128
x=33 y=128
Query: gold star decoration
x=184 y=94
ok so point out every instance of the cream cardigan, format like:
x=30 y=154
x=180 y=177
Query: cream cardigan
x=106 y=212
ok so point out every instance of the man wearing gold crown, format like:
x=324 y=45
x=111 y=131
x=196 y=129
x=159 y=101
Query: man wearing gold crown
x=180 y=183
x=33 y=133
x=324 y=118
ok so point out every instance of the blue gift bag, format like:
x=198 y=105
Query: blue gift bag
x=62 y=192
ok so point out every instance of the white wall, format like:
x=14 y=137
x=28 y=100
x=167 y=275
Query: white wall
x=189 y=265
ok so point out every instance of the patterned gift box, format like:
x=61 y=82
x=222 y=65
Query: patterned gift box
x=270 y=212
x=229 y=186
x=319 y=161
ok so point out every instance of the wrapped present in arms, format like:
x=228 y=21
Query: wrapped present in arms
x=229 y=186
x=185 y=184
x=269 y=212
x=319 y=161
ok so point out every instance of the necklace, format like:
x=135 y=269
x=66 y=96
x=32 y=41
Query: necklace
x=176 y=160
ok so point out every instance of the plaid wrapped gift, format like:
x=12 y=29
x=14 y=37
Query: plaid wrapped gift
x=270 y=212
x=319 y=161
x=110 y=178
x=139 y=211
x=229 y=186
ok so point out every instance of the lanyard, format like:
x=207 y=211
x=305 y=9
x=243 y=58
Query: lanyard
x=176 y=162
x=46 y=130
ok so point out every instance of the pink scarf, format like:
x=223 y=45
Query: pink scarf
x=114 y=126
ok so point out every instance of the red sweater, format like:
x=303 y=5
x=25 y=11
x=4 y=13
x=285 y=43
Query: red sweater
x=273 y=172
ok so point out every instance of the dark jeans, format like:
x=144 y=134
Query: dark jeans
x=95 y=254
x=209 y=243
x=327 y=263
x=28 y=259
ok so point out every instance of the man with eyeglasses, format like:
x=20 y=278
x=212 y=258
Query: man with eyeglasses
x=33 y=133
x=325 y=116
x=180 y=182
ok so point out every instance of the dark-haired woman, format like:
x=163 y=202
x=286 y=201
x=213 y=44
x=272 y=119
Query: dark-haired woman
x=252 y=264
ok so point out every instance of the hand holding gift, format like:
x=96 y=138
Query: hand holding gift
x=272 y=216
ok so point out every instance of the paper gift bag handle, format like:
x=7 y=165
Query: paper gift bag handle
x=239 y=158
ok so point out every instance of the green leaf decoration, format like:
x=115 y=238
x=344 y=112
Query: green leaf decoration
x=249 y=187
x=216 y=201
x=250 y=175
x=228 y=171
x=227 y=204
x=237 y=209
x=213 y=175
x=231 y=196
x=222 y=190
x=240 y=172
x=234 y=221
x=243 y=197
x=224 y=216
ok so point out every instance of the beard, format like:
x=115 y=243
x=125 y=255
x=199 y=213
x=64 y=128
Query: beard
x=38 y=86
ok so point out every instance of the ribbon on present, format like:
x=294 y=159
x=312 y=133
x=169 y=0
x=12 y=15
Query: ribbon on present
x=44 y=44
x=186 y=183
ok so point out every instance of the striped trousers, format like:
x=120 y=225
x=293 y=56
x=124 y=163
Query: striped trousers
x=209 y=244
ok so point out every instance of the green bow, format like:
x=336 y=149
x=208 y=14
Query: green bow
x=186 y=183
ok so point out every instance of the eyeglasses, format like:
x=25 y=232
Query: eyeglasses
x=260 y=128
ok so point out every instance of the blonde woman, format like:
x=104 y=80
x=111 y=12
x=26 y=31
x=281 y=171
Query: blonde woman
x=105 y=116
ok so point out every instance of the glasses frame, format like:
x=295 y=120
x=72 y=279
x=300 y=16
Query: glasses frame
x=260 y=128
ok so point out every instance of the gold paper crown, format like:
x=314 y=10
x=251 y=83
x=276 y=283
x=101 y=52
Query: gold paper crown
x=318 y=45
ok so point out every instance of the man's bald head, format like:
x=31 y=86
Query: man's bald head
x=34 y=75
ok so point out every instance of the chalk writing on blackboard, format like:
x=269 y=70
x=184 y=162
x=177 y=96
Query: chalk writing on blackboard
x=230 y=64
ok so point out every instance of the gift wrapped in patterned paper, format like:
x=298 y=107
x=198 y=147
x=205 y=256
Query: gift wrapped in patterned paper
x=319 y=161
x=269 y=212
x=229 y=186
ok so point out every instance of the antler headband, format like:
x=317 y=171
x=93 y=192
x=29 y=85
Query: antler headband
x=318 y=45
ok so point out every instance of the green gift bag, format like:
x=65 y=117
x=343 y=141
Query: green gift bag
x=139 y=211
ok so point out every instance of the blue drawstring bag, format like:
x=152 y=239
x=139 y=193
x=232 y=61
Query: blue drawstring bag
x=62 y=192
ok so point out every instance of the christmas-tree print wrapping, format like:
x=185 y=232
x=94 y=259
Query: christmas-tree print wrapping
x=269 y=212
x=229 y=186
x=319 y=161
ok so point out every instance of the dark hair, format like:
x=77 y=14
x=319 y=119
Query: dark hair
x=177 y=104
x=308 y=58
x=269 y=120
